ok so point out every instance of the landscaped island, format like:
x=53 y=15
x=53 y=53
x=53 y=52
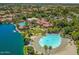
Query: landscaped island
x=39 y=29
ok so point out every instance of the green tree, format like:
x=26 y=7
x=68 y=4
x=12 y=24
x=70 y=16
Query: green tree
x=75 y=35
x=78 y=50
x=25 y=50
x=60 y=23
x=56 y=30
x=30 y=50
x=24 y=18
x=45 y=47
x=50 y=48
x=67 y=30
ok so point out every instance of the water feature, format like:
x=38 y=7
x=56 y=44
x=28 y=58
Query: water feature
x=22 y=23
x=11 y=41
x=53 y=40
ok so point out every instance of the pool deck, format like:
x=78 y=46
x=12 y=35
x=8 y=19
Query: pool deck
x=70 y=49
x=67 y=47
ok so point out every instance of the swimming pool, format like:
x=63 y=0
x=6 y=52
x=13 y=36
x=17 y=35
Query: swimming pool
x=22 y=23
x=53 y=40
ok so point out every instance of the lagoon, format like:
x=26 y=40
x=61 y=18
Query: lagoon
x=11 y=41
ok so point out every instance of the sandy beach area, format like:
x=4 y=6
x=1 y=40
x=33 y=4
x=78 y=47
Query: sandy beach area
x=67 y=47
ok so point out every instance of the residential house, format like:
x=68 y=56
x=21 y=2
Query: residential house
x=44 y=23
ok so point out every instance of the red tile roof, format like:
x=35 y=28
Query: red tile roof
x=44 y=23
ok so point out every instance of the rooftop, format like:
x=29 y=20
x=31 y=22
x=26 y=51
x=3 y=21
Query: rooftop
x=44 y=23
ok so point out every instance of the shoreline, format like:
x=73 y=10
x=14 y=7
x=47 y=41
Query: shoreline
x=17 y=28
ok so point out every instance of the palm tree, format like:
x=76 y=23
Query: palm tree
x=45 y=47
x=50 y=48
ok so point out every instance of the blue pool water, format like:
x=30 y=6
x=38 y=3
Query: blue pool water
x=53 y=40
x=22 y=23
x=11 y=41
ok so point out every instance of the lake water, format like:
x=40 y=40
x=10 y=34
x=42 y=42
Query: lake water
x=11 y=41
x=53 y=40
